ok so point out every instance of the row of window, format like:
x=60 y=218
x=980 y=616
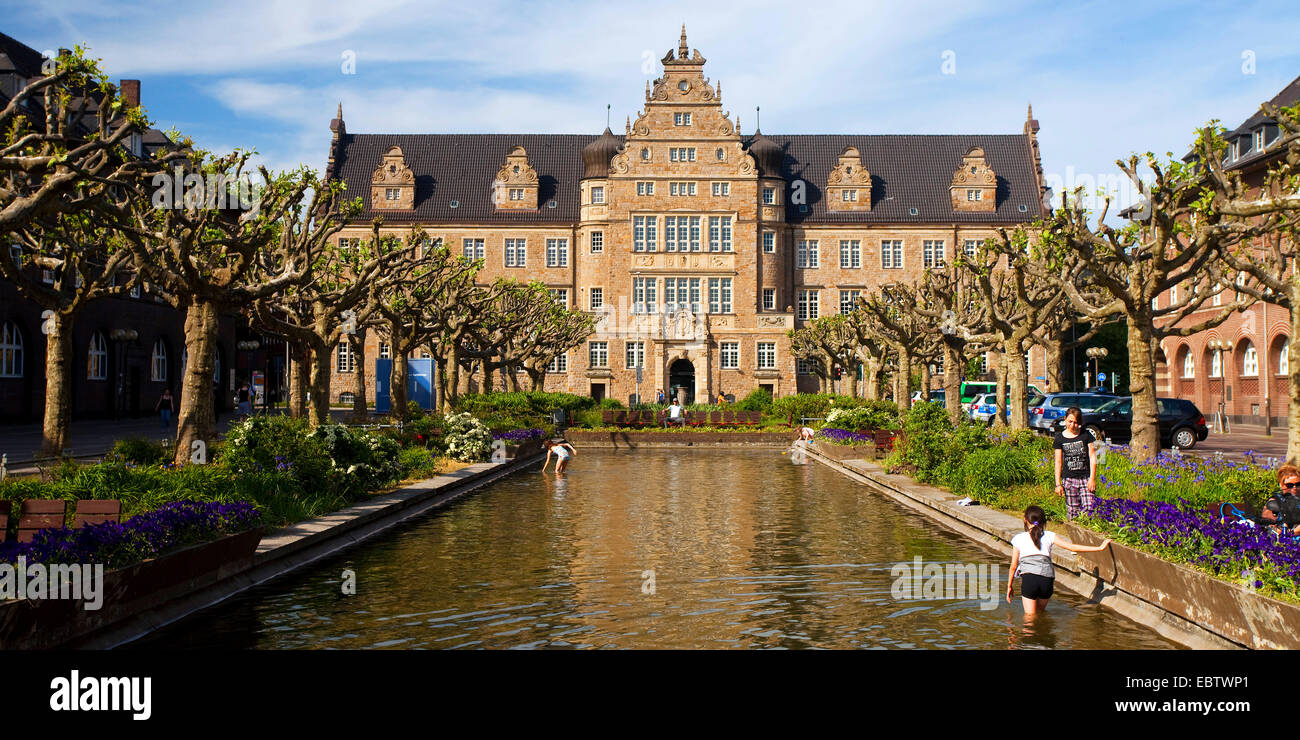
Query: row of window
x=808 y=303
x=681 y=233
x=516 y=251
x=678 y=293
x=634 y=356
x=1249 y=363
x=346 y=360
x=11 y=355
x=1215 y=300
x=933 y=253
x=682 y=154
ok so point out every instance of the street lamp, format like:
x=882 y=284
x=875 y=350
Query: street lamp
x=1096 y=354
x=1220 y=417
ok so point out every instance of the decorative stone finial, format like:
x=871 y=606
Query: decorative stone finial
x=682 y=51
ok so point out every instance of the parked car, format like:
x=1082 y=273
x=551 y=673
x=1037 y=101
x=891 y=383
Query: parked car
x=985 y=407
x=972 y=389
x=1054 y=406
x=935 y=396
x=1181 y=423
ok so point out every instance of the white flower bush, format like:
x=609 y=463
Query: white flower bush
x=468 y=440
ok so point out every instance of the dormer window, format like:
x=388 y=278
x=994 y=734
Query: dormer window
x=516 y=193
x=516 y=184
x=848 y=186
x=850 y=196
x=392 y=186
x=1258 y=140
x=974 y=195
x=974 y=184
x=392 y=193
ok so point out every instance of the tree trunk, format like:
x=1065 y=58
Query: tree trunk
x=904 y=399
x=360 y=414
x=513 y=375
x=925 y=380
x=1055 y=373
x=453 y=379
x=1141 y=374
x=952 y=381
x=298 y=380
x=538 y=379
x=195 y=420
x=851 y=377
x=397 y=383
x=1000 y=413
x=320 y=387
x=487 y=376
x=1293 y=377
x=873 y=378
x=58 y=385
x=1018 y=382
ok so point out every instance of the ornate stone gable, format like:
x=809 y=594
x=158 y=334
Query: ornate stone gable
x=516 y=185
x=974 y=185
x=848 y=187
x=392 y=186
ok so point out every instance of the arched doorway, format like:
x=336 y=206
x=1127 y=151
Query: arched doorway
x=681 y=381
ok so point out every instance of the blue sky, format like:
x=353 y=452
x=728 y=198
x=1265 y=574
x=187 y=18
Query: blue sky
x=1105 y=78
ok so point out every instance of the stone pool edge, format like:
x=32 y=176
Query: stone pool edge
x=994 y=530
x=309 y=541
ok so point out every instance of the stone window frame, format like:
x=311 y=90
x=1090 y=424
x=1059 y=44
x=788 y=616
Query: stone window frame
x=559 y=364
x=681 y=119
x=769 y=242
x=634 y=354
x=598 y=354
x=345 y=360
x=971 y=247
x=597 y=194
x=891 y=254
x=392 y=193
x=808 y=304
x=807 y=254
x=597 y=241
x=850 y=254
x=474 y=249
x=769 y=293
x=645 y=187
x=516 y=253
x=557 y=252
x=766 y=357
x=932 y=253
x=723 y=242
x=647 y=288
x=596 y=298
x=769 y=196
x=720 y=295
x=853 y=296
x=974 y=195
x=721 y=189
x=560 y=296
x=729 y=355
x=516 y=194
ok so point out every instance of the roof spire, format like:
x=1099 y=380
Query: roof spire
x=1031 y=112
x=719 y=91
x=629 y=125
x=758 y=125
x=607 y=109
x=682 y=51
x=340 y=115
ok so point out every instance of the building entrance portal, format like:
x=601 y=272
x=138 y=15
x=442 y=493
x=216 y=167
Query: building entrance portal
x=681 y=382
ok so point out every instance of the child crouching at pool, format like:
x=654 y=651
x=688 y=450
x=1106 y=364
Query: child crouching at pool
x=562 y=450
x=1031 y=559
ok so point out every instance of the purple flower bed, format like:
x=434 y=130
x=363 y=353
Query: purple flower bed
x=143 y=536
x=520 y=435
x=844 y=437
x=1194 y=536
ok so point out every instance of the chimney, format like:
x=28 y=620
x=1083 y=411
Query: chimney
x=131 y=92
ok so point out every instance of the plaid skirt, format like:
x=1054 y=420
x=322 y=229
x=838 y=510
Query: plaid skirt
x=1078 y=498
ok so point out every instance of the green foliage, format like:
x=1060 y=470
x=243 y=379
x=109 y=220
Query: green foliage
x=418 y=463
x=536 y=402
x=994 y=470
x=277 y=443
x=140 y=451
x=759 y=399
x=611 y=403
x=874 y=415
x=813 y=405
x=926 y=429
x=468 y=440
x=359 y=461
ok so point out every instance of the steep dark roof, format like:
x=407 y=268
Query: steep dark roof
x=907 y=172
x=19 y=57
x=1288 y=96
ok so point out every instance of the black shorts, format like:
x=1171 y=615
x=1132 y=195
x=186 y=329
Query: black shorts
x=1034 y=586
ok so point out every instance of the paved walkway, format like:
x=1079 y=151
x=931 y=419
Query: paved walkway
x=1241 y=440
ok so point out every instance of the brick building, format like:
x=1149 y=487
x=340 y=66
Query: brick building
x=698 y=247
x=1251 y=379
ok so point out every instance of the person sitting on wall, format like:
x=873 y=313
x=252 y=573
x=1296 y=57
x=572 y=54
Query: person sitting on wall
x=674 y=415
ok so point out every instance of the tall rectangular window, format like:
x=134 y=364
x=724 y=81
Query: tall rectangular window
x=474 y=249
x=891 y=254
x=848 y=300
x=557 y=252
x=644 y=233
x=729 y=355
x=695 y=294
x=767 y=355
x=516 y=252
x=971 y=246
x=769 y=299
x=695 y=233
x=597 y=242
x=598 y=354
x=644 y=299
x=807 y=305
x=559 y=365
x=385 y=351
x=597 y=194
x=346 y=362
x=719 y=295
x=932 y=253
x=850 y=253
x=634 y=355
x=805 y=367
x=560 y=296
x=806 y=253
x=719 y=233
x=769 y=242
x=597 y=297
x=769 y=196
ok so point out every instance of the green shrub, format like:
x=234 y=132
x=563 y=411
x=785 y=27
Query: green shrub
x=277 y=443
x=611 y=403
x=418 y=462
x=926 y=429
x=995 y=469
x=534 y=402
x=140 y=451
x=359 y=461
x=874 y=415
x=468 y=440
x=813 y=405
x=759 y=399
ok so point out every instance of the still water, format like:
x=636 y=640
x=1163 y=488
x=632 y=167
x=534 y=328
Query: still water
x=649 y=549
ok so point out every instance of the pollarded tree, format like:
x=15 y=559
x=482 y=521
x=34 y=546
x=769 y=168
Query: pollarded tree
x=341 y=295
x=834 y=340
x=1268 y=219
x=1189 y=219
x=205 y=259
x=885 y=316
x=558 y=332
x=950 y=299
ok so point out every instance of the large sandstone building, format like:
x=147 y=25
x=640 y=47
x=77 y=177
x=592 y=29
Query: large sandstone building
x=699 y=247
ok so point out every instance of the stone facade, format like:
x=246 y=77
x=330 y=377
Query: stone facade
x=690 y=241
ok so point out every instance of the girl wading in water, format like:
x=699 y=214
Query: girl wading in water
x=1031 y=559
x=1076 y=464
x=562 y=450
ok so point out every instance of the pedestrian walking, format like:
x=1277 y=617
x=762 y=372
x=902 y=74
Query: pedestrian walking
x=1076 y=464
x=164 y=407
x=245 y=407
x=1031 y=560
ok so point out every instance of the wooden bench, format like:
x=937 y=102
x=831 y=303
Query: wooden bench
x=607 y=417
x=38 y=514
x=91 y=511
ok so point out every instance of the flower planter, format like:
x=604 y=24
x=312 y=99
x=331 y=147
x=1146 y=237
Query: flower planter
x=1227 y=609
x=523 y=449
x=839 y=453
x=46 y=623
